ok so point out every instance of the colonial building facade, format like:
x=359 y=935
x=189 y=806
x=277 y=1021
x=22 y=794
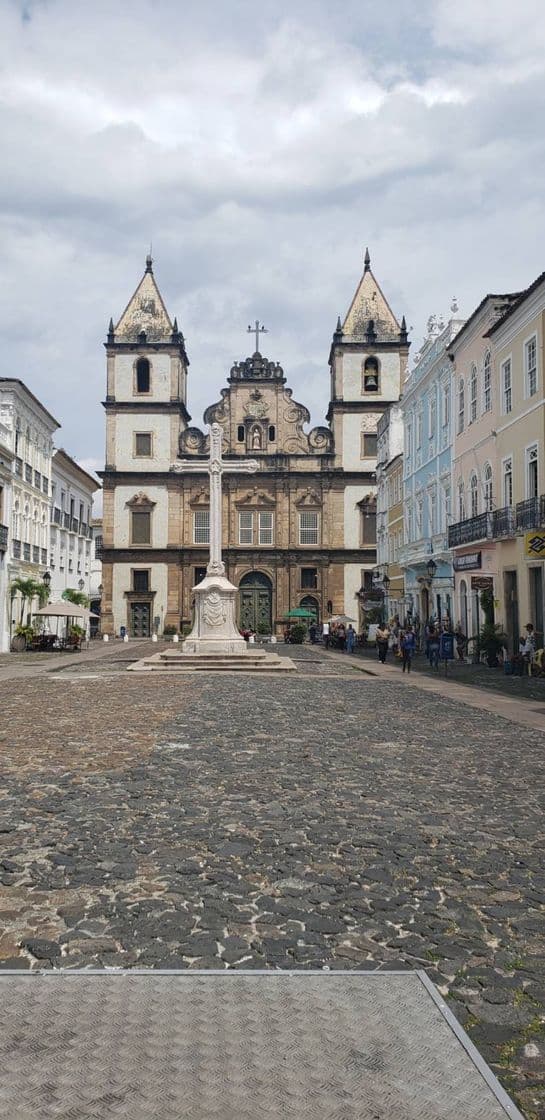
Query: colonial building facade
x=297 y=532
x=72 y=492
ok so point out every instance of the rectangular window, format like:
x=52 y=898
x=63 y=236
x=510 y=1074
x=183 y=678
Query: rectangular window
x=140 y=579
x=419 y=426
x=507 y=392
x=473 y=399
x=433 y=513
x=487 y=386
x=368 y=527
x=98 y=546
x=446 y=405
x=309 y=579
x=368 y=445
x=140 y=527
x=142 y=445
x=432 y=417
x=265 y=527
x=45 y=484
x=530 y=364
x=508 y=482
x=532 y=489
x=418 y=518
x=308 y=528
x=201 y=526
x=245 y=527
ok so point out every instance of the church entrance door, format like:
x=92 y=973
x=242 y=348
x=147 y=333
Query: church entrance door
x=140 y=620
x=255 y=603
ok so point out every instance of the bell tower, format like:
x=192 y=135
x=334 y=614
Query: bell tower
x=368 y=358
x=146 y=412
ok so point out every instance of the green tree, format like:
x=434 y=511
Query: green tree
x=28 y=589
x=79 y=598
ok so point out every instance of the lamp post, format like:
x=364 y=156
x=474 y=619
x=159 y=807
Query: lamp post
x=46 y=580
x=386 y=586
x=431 y=568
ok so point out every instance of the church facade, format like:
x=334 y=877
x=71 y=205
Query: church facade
x=298 y=533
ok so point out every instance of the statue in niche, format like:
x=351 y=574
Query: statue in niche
x=256 y=439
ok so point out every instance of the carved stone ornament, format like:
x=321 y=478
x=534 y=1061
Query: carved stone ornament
x=201 y=497
x=256 y=406
x=140 y=501
x=309 y=498
x=256 y=497
x=192 y=440
x=214 y=610
x=369 y=421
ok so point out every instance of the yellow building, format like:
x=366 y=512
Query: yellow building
x=518 y=341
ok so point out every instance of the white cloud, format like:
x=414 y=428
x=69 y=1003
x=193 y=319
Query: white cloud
x=260 y=149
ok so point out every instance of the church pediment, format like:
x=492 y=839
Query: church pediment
x=200 y=498
x=140 y=501
x=255 y=497
x=308 y=498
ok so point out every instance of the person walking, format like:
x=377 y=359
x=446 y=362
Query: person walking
x=350 y=639
x=341 y=637
x=460 y=640
x=408 y=646
x=313 y=632
x=433 y=646
x=383 y=637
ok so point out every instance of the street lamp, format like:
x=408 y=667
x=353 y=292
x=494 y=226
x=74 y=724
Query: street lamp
x=386 y=583
x=431 y=568
x=46 y=580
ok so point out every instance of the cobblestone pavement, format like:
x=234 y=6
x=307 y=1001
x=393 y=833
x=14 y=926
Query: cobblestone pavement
x=478 y=676
x=329 y=819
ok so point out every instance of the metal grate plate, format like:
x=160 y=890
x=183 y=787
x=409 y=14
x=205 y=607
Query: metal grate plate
x=237 y=1046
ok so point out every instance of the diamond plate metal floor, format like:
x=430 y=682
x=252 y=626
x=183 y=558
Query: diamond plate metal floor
x=237 y=1046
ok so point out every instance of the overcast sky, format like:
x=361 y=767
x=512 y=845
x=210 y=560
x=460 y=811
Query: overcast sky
x=260 y=147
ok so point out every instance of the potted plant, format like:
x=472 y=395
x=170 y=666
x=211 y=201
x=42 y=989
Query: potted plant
x=76 y=634
x=23 y=637
x=298 y=633
x=490 y=641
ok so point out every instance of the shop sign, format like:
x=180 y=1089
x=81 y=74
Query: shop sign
x=470 y=560
x=534 y=544
x=482 y=583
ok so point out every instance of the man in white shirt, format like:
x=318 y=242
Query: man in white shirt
x=325 y=634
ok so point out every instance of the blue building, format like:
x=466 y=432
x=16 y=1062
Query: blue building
x=427 y=407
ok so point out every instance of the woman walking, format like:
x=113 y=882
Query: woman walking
x=383 y=637
x=408 y=646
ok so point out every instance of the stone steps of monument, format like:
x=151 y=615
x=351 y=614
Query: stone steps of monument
x=171 y=662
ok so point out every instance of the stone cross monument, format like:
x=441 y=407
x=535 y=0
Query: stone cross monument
x=215 y=628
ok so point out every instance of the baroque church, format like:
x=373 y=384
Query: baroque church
x=298 y=533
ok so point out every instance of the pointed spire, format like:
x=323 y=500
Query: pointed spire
x=403 y=330
x=175 y=331
x=149 y=263
x=366 y=261
x=338 y=332
x=111 y=332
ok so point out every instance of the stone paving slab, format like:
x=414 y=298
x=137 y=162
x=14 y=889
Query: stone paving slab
x=358 y=1046
x=328 y=820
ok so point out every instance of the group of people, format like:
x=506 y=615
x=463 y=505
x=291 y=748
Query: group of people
x=337 y=635
x=404 y=641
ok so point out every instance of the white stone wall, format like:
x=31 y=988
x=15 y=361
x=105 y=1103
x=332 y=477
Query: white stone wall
x=352 y=377
x=159 y=520
x=352 y=584
x=122 y=582
x=353 y=426
x=159 y=380
x=126 y=424
x=69 y=551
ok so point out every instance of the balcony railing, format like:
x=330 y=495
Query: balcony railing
x=472 y=529
x=3 y=538
x=531 y=513
x=504 y=522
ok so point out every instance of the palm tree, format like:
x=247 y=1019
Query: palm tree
x=28 y=589
x=79 y=598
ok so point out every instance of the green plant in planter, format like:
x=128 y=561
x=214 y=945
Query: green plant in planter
x=77 y=631
x=170 y=629
x=298 y=633
x=490 y=641
x=22 y=631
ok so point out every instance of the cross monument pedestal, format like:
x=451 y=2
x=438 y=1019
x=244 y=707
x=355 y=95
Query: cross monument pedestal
x=215 y=629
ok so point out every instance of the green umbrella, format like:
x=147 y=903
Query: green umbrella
x=300 y=612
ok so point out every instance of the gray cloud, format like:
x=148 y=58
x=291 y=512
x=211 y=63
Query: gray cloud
x=259 y=149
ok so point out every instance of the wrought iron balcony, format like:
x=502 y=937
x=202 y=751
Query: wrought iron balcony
x=504 y=522
x=529 y=514
x=473 y=529
x=3 y=538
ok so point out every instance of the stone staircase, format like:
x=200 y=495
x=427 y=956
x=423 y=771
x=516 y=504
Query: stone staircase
x=253 y=661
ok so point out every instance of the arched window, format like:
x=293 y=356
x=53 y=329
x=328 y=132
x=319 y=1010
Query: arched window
x=371 y=375
x=474 y=495
x=461 y=501
x=487 y=382
x=461 y=405
x=240 y=433
x=16 y=520
x=487 y=487
x=272 y=433
x=142 y=376
x=473 y=395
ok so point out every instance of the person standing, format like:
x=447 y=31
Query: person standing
x=350 y=639
x=408 y=646
x=433 y=646
x=460 y=640
x=325 y=634
x=313 y=632
x=383 y=637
